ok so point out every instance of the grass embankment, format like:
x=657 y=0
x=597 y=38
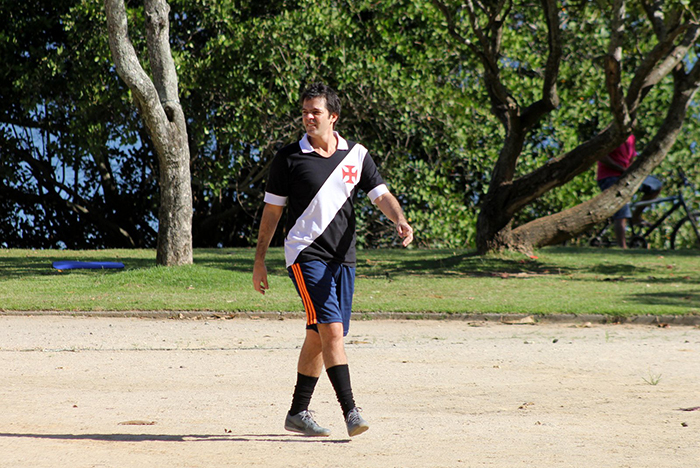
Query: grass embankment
x=561 y=280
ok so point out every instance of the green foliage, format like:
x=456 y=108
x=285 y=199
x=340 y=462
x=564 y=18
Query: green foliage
x=74 y=172
x=71 y=137
x=584 y=102
x=436 y=206
x=387 y=61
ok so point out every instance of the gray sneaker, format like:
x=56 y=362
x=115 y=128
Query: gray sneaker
x=304 y=423
x=356 y=423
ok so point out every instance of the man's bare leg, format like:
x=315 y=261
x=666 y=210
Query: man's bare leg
x=332 y=344
x=309 y=368
x=311 y=356
x=621 y=232
x=637 y=215
x=336 y=362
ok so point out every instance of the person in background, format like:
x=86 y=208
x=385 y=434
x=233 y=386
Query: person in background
x=610 y=169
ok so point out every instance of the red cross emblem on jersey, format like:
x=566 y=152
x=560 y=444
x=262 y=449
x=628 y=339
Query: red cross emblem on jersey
x=349 y=174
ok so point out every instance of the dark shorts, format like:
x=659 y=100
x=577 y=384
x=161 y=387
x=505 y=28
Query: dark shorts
x=650 y=185
x=326 y=291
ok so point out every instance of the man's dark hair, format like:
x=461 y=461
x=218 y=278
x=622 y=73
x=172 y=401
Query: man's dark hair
x=321 y=90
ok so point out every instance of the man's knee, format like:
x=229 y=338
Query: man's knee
x=333 y=344
x=651 y=187
x=330 y=331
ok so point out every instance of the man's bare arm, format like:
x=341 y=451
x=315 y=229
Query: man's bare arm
x=391 y=208
x=608 y=161
x=268 y=224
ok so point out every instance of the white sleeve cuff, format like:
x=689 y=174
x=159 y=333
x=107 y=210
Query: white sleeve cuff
x=273 y=199
x=377 y=192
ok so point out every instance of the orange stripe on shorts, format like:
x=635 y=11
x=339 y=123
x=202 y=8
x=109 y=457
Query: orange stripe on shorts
x=304 y=293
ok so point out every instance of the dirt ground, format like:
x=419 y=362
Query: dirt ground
x=126 y=392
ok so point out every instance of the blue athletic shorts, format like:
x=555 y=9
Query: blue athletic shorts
x=326 y=291
x=651 y=184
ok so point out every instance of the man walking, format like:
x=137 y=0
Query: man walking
x=318 y=178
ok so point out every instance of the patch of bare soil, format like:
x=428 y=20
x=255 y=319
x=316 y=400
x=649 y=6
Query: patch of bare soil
x=125 y=392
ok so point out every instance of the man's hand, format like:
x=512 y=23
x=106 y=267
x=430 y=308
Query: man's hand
x=405 y=231
x=260 y=277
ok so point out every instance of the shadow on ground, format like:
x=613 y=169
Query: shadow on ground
x=281 y=438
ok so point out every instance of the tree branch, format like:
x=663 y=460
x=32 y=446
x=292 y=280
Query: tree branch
x=556 y=228
x=44 y=175
x=560 y=170
x=692 y=32
x=643 y=78
x=501 y=98
x=160 y=56
x=613 y=75
x=692 y=81
x=655 y=15
x=452 y=29
x=550 y=98
x=128 y=66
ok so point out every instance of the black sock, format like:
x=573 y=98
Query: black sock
x=340 y=379
x=303 y=391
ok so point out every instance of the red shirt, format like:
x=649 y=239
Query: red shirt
x=623 y=156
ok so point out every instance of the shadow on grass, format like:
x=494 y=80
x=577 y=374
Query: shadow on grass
x=611 y=264
x=644 y=280
x=39 y=264
x=618 y=269
x=583 y=265
x=240 y=260
x=611 y=253
x=682 y=299
x=450 y=264
x=16 y=267
x=615 y=263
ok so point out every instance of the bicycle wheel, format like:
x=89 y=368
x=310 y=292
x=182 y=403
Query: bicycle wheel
x=598 y=241
x=638 y=242
x=683 y=236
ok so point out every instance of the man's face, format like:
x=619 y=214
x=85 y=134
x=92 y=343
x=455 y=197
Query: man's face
x=316 y=118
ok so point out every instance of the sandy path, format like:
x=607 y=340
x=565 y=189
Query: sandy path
x=436 y=393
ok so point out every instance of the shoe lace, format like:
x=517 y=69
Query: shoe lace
x=354 y=415
x=308 y=416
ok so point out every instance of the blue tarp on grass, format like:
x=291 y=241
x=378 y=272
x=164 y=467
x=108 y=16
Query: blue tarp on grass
x=73 y=265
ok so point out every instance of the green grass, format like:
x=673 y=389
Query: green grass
x=562 y=280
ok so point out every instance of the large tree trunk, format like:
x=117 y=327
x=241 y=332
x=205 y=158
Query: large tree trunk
x=161 y=111
x=561 y=226
x=507 y=195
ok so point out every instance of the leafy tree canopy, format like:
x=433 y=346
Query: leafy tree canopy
x=79 y=171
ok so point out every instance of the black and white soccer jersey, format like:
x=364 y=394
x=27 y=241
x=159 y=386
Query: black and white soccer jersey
x=320 y=193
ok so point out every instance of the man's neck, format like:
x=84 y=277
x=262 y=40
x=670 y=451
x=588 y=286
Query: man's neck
x=324 y=145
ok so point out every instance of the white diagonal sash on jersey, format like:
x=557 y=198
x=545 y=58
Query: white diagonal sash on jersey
x=324 y=206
